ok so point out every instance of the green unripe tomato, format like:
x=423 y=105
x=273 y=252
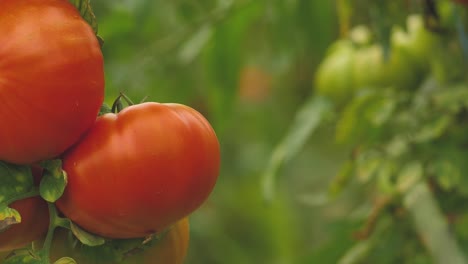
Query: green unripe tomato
x=421 y=43
x=334 y=76
x=403 y=69
x=360 y=35
x=368 y=67
x=398 y=68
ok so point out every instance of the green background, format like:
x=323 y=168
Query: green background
x=248 y=66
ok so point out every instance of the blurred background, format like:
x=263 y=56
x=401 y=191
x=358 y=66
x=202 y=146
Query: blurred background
x=248 y=66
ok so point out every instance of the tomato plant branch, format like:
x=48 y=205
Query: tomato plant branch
x=127 y=99
x=117 y=105
x=50 y=233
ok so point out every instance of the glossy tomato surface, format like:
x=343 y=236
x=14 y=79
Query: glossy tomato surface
x=34 y=221
x=137 y=172
x=170 y=249
x=51 y=78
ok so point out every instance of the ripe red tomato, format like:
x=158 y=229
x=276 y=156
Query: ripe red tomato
x=137 y=172
x=51 y=78
x=34 y=222
x=171 y=249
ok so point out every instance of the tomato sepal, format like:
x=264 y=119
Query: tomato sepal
x=105 y=109
x=86 y=12
x=65 y=260
x=54 y=180
x=85 y=237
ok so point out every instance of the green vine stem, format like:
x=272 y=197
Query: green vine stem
x=54 y=222
x=431 y=225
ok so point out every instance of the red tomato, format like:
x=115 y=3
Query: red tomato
x=137 y=172
x=171 y=249
x=51 y=78
x=34 y=222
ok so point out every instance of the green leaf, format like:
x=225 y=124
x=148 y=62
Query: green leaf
x=357 y=253
x=109 y=251
x=23 y=256
x=86 y=12
x=397 y=146
x=342 y=178
x=385 y=177
x=105 y=109
x=307 y=119
x=65 y=260
x=14 y=180
x=367 y=164
x=448 y=173
x=461 y=226
x=453 y=98
x=85 y=237
x=380 y=111
x=193 y=47
x=351 y=122
x=8 y=217
x=433 y=130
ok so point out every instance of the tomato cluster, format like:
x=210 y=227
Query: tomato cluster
x=131 y=173
x=357 y=62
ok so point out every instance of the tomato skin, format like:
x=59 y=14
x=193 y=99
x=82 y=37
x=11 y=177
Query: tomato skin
x=51 y=78
x=170 y=249
x=34 y=224
x=137 y=172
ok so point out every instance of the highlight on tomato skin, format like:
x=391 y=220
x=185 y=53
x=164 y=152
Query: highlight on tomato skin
x=172 y=248
x=51 y=79
x=137 y=172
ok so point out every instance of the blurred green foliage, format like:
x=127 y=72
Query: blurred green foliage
x=246 y=65
x=249 y=66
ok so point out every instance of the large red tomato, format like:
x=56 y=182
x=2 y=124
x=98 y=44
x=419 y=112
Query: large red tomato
x=170 y=249
x=34 y=221
x=137 y=172
x=51 y=78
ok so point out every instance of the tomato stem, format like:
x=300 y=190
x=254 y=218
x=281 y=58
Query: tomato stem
x=117 y=106
x=127 y=99
x=44 y=252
